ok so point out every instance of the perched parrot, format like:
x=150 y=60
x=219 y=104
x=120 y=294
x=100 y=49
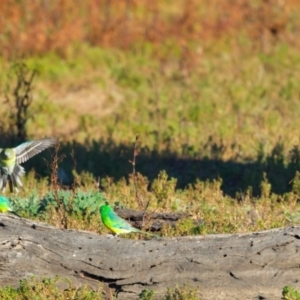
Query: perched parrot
x=11 y=158
x=116 y=224
x=5 y=206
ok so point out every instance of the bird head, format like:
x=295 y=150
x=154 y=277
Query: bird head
x=7 y=153
x=105 y=209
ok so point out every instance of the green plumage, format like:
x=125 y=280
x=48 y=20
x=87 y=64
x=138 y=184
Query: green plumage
x=116 y=224
x=11 y=158
x=5 y=206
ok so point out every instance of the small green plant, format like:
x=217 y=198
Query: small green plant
x=69 y=203
x=46 y=288
x=296 y=184
x=184 y=226
x=183 y=292
x=163 y=188
x=147 y=295
x=290 y=293
x=265 y=187
x=78 y=203
x=29 y=206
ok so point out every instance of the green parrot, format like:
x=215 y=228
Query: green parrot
x=5 y=206
x=116 y=224
x=11 y=158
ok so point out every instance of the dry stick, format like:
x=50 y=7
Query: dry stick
x=22 y=93
x=75 y=182
x=135 y=154
x=75 y=179
x=23 y=98
x=55 y=184
x=137 y=194
x=144 y=212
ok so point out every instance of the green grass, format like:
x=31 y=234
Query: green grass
x=219 y=141
x=234 y=115
x=209 y=210
x=181 y=293
x=290 y=293
x=51 y=288
x=47 y=288
x=221 y=98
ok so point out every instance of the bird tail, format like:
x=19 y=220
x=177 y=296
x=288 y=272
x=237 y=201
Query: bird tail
x=148 y=233
x=14 y=213
x=3 y=181
x=15 y=178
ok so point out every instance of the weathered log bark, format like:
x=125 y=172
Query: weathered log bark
x=232 y=266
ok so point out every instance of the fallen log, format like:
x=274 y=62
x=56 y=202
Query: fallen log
x=223 y=266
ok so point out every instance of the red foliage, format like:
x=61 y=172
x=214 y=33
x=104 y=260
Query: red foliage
x=37 y=26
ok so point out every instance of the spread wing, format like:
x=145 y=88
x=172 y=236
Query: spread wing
x=31 y=148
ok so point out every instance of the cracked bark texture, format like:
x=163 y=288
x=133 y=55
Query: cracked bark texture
x=224 y=266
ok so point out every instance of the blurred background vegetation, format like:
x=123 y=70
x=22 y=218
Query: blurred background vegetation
x=211 y=88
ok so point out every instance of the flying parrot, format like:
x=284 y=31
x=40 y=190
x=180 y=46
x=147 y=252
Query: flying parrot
x=11 y=158
x=5 y=206
x=116 y=224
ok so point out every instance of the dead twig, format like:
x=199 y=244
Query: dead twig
x=135 y=179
